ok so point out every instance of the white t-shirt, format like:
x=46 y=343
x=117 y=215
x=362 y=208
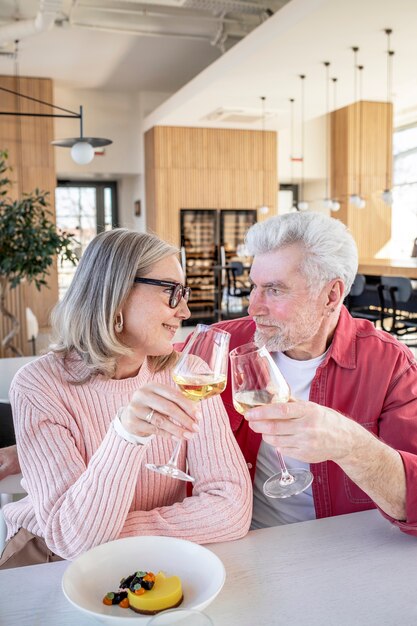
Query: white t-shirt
x=276 y=511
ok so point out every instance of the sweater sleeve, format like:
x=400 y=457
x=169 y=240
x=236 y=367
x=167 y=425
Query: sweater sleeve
x=220 y=508
x=80 y=501
x=77 y=505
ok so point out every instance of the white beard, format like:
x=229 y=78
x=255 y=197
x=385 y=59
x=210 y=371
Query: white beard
x=288 y=336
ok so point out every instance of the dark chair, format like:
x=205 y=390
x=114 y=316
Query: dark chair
x=237 y=287
x=363 y=300
x=237 y=284
x=357 y=289
x=11 y=484
x=7 y=436
x=398 y=302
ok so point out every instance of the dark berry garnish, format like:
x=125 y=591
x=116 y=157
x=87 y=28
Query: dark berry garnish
x=114 y=597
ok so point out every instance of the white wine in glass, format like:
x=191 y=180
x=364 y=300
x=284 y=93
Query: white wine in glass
x=256 y=381
x=200 y=373
x=200 y=387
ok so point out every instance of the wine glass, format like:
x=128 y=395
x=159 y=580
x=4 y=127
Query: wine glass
x=200 y=373
x=257 y=380
x=181 y=617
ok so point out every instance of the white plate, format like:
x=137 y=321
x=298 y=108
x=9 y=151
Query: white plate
x=98 y=571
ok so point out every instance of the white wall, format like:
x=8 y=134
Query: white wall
x=119 y=117
x=315 y=138
x=314 y=152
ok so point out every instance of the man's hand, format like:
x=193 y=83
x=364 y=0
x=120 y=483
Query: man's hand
x=9 y=462
x=305 y=430
x=314 y=433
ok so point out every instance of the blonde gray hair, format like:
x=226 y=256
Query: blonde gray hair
x=84 y=321
x=330 y=250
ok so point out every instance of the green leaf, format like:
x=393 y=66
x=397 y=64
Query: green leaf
x=29 y=239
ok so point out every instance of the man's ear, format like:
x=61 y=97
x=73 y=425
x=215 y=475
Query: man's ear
x=335 y=293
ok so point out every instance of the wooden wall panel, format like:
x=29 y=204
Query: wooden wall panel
x=361 y=157
x=206 y=168
x=27 y=140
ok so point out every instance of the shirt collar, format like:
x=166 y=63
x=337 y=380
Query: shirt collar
x=343 y=346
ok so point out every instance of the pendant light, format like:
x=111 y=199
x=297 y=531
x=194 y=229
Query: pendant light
x=387 y=193
x=18 y=126
x=293 y=159
x=264 y=209
x=362 y=203
x=327 y=202
x=82 y=148
x=302 y=205
x=355 y=197
x=335 y=203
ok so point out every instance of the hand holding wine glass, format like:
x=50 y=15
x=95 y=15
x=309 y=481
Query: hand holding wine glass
x=200 y=373
x=256 y=381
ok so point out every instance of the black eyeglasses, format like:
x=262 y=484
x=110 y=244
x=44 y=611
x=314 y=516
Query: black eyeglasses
x=178 y=290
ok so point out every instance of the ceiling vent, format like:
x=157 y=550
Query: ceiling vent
x=238 y=116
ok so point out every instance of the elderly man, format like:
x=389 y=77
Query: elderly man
x=353 y=420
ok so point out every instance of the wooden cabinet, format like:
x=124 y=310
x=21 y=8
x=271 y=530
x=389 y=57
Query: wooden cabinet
x=359 y=165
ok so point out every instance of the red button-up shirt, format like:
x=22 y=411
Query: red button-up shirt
x=368 y=376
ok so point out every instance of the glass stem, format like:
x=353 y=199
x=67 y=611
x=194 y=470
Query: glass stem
x=286 y=477
x=174 y=457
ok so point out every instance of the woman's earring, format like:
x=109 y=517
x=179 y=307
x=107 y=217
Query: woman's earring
x=119 y=323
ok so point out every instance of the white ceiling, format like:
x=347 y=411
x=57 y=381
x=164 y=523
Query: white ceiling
x=215 y=59
x=127 y=45
x=298 y=39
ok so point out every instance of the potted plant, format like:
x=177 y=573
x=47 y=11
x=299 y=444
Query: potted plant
x=29 y=243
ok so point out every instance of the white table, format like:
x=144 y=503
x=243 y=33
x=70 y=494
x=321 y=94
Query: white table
x=351 y=570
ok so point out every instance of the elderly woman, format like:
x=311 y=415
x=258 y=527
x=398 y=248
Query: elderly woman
x=92 y=412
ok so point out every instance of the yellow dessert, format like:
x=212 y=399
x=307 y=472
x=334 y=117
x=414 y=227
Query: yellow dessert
x=165 y=594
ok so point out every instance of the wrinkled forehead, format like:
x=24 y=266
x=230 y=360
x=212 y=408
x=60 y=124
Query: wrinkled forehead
x=284 y=265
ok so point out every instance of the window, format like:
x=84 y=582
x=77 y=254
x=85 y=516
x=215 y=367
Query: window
x=84 y=210
x=404 y=210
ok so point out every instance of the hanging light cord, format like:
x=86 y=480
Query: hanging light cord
x=334 y=93
x=327 y=65
x=263 y=151
x=355 y=125
x=19 y=146
x=390 y=54
x=302 y=77
x=335 y=202
x=292 y=140
x=360 y=68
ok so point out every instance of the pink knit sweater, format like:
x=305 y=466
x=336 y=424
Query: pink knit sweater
x=86 y=485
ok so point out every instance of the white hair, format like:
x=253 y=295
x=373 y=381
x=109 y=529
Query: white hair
x=330 y=250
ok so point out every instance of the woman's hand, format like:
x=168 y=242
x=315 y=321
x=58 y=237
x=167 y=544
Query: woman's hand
x=161 y=410
x=9 y=462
